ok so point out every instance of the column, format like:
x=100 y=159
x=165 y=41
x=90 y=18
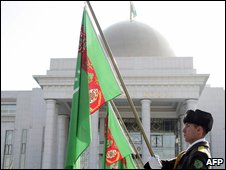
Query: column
x=183 y=142
x=93 y=158
x=102 y=124
x=190 y=104
x=101 y=138
x=50 y=150
x=146 y=112
x=62 y=135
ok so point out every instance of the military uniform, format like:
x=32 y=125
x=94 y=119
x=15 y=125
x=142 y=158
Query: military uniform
x=196 y=156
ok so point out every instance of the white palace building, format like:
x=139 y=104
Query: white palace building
x=34 y=124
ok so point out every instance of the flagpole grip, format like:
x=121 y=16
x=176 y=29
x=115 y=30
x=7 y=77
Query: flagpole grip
x=121 y=81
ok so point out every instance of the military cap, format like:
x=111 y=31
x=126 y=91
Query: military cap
x=199 y=117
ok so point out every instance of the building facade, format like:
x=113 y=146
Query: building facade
x=34 y=124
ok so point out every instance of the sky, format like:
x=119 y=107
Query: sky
x=33 y=32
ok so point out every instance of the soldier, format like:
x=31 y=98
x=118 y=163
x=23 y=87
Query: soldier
x=197 y=124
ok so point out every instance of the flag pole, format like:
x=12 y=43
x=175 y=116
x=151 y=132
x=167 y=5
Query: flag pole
x=121 y=81
x=127 y=133
x=130 y=11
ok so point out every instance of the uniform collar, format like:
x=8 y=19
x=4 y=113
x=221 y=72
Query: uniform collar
x=200 y=140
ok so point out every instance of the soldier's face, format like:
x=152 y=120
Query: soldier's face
x=191 y=132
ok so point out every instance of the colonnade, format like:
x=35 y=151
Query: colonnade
x=56 y=130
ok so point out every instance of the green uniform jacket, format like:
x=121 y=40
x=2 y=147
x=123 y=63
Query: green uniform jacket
x=195 y=158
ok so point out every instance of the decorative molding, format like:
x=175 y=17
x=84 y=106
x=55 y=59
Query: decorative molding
x=139 y=87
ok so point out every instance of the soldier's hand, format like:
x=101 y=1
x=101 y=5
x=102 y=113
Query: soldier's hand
x=155 y=162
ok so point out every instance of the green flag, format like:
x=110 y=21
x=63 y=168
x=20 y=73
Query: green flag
x=117 y=150
x=94 y=85
x=133 y=10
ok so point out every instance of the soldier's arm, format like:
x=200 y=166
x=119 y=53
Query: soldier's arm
x=168 y=164
x=199 y=161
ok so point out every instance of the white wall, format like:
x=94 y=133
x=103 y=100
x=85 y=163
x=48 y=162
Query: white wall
x=213 y=101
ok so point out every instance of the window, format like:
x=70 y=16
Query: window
x=23 y=148
x=7 y=157
x=136 y=137
x=164 y=125
x=156 y=140
x=137 y=140
x=131 y=124
x=8 y=108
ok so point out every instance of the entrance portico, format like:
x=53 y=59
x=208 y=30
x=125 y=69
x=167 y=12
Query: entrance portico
x=163 y=95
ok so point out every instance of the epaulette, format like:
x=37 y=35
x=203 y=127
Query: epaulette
x=201 y=148
x=204 y=150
